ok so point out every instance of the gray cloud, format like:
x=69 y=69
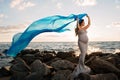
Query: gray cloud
x=114 y=25
x=85 y=2
x=21 y=4
x=12 y=28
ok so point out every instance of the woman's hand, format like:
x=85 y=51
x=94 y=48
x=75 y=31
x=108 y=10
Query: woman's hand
x=77 y=19
x=87 y=15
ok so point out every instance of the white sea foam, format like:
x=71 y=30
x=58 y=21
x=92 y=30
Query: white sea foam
x=93 y=49
x=117 y=50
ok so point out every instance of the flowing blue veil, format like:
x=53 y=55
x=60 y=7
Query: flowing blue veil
x=56 y=23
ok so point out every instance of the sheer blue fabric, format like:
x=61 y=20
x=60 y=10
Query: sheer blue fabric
x=55 y=23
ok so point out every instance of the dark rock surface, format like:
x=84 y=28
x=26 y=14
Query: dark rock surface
x=40 y=68
x=61 y=75
x=32 y=64
x=108 y=76
x=62 y=65
x=19 y=70
x=4 y=72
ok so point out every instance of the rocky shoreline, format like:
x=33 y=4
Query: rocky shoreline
x=32 y=64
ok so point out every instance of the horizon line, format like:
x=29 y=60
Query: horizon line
x=67 y=41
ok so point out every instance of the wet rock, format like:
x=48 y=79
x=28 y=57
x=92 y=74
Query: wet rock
x=118 y=66
x=62 y=64
x=45 y=56
x=20 y=65
x=105 y=66
x=25 y=51
x=28 y=58
x=83 y=76
x=48 y=56
x=40 y=68
x=5 y=78
x=51 y=51
x=108 y=76
x=61 y=75
x=99 y=54
x=19 y=70
x=95 y=54
x=28 y=51
x=34 y=76
x=101 y=66
x=64 y=55
x=113 y=59
x=36 y=50
x=4 y=72
x=19 y=76
x=118 y=53
x=53 y=60
x=73 y=59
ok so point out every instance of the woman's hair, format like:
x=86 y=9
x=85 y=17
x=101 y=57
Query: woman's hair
x=76 y=29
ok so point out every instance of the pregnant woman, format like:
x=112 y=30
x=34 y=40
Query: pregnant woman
x=81 y=32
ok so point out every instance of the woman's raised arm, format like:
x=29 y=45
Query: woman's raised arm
x=89 y=22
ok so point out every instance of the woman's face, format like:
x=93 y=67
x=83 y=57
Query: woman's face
x=83 y=23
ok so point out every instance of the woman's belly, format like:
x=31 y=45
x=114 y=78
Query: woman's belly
x=83 y=37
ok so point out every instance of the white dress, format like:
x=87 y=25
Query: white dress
x=83 y=44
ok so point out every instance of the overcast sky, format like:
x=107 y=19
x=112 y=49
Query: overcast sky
x=16 y=15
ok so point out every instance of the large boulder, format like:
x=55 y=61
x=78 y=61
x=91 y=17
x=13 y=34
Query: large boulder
x=28 y=51
x=4 y=72
x=107 y=76
x=114 y=59
x=53 y=60
x=28 y=58
x=99 y=54
x=19 y=70
x=40 y=68
x=118 y=53
x=62 y=64
x=64 y=55
x=118 y=66
x=101 y=66
x=34 y=76
x=61 y=75
x=20 y=65
x=45 y=56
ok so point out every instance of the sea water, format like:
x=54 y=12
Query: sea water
x=103 y=46
x=98 y=46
